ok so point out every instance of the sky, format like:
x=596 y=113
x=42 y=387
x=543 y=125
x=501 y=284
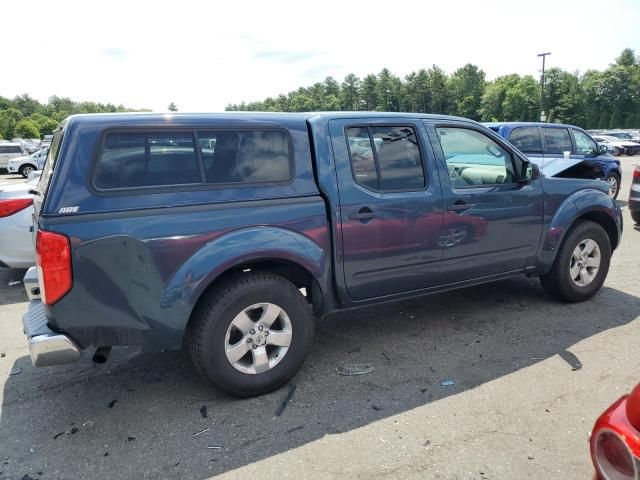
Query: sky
x=203 y=55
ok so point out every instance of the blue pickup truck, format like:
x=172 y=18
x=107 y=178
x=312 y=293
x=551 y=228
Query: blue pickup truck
x=229 y=233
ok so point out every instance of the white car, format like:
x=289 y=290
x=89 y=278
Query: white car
x=16 y=211
x=9 y=150
x=25 y=165
x=619 y=146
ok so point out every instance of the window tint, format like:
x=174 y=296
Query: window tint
x=144 y=160
x=584 y=145
x=245 y=156
x=556 y=140
x=10 y=149
x=526 y=139
x=386 y=158
x=474 y=159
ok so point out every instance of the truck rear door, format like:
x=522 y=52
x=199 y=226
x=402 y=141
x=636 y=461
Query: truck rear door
x=390 y=206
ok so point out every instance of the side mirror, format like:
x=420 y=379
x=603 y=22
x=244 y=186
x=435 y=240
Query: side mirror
x=602 y=149
x=530 y=171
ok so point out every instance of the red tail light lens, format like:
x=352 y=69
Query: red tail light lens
x=613 y=458
x=636 y=174
x=53 y=259
x=633 y=407
x=13 y=205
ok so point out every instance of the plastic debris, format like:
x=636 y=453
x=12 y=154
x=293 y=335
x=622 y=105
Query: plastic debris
x=377 y=408
x=214 y=447
x=386 y=356
x=203 y=411
x=200 y=432
x=294 y=429
x=447 y=383
x=286 y=400
x=16 y=282
x=130 y=439
x=355 y=369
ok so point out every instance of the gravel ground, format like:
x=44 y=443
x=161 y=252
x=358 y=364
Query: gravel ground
x=525 y=379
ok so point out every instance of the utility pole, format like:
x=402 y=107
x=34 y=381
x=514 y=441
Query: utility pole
x=543 y=116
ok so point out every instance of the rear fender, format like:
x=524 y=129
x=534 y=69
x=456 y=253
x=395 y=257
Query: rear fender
x=234 y=250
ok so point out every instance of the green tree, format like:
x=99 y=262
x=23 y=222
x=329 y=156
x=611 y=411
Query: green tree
x=466 y=87
x=627 y=58
x=438 y=87
x=350 y=93
x=27 y=129
x=172 y=107
x=9 y=118
x=370 y=92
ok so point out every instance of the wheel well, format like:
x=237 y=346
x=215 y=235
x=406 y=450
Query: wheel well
x=296 y=274
x=606 y=222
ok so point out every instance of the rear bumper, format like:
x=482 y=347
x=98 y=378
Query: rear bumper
x=46 y=347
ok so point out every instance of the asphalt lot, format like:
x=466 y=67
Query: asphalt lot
x=530 y=377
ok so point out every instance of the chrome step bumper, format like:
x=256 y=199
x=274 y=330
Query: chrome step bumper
x=46 y=347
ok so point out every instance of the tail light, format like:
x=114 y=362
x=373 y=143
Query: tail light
x=13 y=205
x=636 y=174
x=633 y=407
x=613 y=458
x=53 y=259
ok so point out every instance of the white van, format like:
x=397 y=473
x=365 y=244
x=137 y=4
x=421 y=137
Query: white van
x=9 y=150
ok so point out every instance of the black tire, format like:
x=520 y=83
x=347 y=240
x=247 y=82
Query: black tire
x=24 y=170
x=617 y=178
x=558 y=280
x=630 y=153
x=617 y=152
x=213 y=316
x=635 y=216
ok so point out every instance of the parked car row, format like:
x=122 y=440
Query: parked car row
x=27 y=164
x=618 y=146
x=562 y=151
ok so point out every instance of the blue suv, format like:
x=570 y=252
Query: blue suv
x=545 y=144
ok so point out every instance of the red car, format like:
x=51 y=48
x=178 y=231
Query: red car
x=615 y=440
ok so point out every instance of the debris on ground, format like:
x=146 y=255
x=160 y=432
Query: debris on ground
x=58 y=435
x=200 y=432
x=355 y=369
x=573 y=361
x=286 y=400
x=447 y=383
x=386 y=356
x=2 y=355
x=130 y=439
x=423 y=390
x=214 y=447
x=112 y=403
x=16 y=282
x=106 y=454
x=377 y=408
x=73 y=430
x=530 y=457
x=203 y=411
x=299 y=427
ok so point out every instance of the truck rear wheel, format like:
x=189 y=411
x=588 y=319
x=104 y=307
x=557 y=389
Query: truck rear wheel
x=581 y=264
x=251 y=335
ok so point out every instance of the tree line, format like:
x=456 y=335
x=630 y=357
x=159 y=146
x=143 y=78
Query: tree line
x=593 y=99
x=26 y=117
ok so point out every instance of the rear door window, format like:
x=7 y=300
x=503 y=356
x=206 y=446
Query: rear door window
x=386 y=158
x=556 y=140
x=133 y=160
x=526 y=139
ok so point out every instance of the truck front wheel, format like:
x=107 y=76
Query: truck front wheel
x=251 y=335
x=581 y=264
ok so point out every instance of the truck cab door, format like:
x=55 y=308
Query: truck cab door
x=484 y=193
x=391 y=213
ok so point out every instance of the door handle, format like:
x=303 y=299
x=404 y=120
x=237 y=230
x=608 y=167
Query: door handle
x=459 y=207
x=365 y=213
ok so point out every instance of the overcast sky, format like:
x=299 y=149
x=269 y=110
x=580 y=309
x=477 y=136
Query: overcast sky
x=205 y=54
